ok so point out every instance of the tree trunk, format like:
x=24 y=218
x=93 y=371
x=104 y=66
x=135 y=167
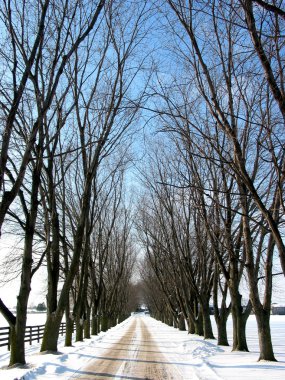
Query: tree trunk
x=104 y=322
x=113 y=321
x=87 y=324
x=207 y=325
x=17 y=350
x=222 y=331
x=239 y=326
x=262 y=315
x=18 y=331
x=51 y=332
x=264 y=336
x=239 y=317
x=191 y=326
x=17 y=338
x=241 y=332
x=121 y=318
x=221 y=313
x=94 y=323
x=79 y=329
x=169 y=321
x=199 y=325
x=181 y=322
x=69 y=330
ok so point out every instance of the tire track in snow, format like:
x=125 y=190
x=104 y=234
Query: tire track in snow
x=135 y=356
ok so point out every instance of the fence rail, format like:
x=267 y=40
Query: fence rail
x=32 y=333
x=4 y=337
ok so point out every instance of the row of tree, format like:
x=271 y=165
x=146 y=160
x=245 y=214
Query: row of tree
x=69 y=100
x=76 y=77
x=213 y=209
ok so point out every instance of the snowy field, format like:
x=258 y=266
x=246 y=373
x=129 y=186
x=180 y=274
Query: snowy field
x=33 y=319
x=192 y=357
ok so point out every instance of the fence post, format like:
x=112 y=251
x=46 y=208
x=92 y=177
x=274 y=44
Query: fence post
x=31 y=338
x=9 y=335
x=38 y=334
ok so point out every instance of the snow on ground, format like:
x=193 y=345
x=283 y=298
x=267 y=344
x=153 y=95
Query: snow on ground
x=193 y=357
x=33 y=318
x=213 y=362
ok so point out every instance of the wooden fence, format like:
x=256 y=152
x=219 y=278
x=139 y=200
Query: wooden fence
x=33 y=333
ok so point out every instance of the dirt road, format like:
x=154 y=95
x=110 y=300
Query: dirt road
x=135 y=356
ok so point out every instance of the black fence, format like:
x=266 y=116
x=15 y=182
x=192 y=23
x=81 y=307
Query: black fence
x=32 y=333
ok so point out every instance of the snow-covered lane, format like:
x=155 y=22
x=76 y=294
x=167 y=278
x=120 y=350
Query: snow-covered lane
x=135 y=356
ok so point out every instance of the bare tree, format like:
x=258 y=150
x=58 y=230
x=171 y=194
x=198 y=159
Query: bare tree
x=25 y=66
x=106 y=106
x=217 y=103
